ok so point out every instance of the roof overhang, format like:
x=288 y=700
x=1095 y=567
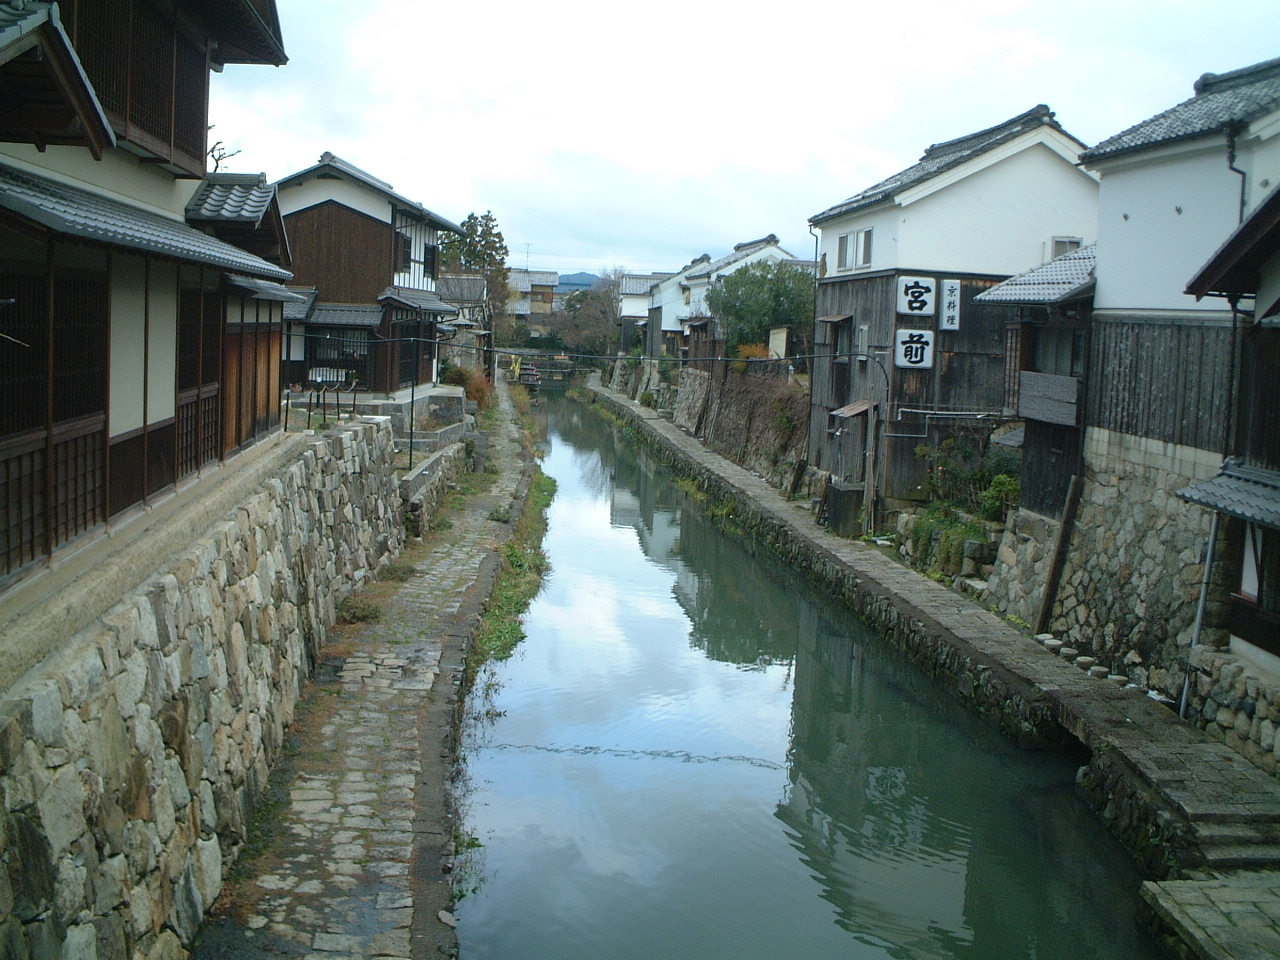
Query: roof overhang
x=1239 y=491
x=1236 y=269
x=835 y=317
x=421 y=300
x=49 y=99
x=855 y=409
x=248 y=31
x=265 y=289
x=42 y=207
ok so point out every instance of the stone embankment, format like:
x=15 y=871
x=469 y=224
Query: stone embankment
x=1184 y=804
x=132 y=756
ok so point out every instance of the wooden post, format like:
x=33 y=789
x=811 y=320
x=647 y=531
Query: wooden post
x=1060 y=554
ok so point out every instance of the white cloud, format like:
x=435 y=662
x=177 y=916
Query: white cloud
x=644 y=136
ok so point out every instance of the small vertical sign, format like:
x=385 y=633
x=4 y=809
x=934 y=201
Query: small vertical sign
x=913 y=349
x=917 y=296
x=950 y=319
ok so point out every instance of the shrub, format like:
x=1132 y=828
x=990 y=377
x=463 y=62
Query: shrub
x=358 y=610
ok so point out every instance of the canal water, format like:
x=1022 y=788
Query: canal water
x=694 y=755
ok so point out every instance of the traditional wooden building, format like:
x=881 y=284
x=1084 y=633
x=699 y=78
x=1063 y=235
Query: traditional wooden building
x=905 y=354
x=135 y=350
x=1046 y=366
x=1245 y=494
x=374 y=258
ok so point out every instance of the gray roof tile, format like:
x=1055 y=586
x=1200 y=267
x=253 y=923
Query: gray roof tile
x=89 y=216
x=1064 y=278
x=1221 y=100
x=330 y=164
x=1240 y=491
x=458 y=288
x=298 y=311
x=237 y=197
x=346 y=315
x=423 y=300
x=943 y=156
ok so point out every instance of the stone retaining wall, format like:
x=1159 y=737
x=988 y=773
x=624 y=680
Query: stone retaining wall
x=131 y=760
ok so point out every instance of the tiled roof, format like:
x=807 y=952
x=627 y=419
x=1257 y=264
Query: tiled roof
x=456 y=288
x=301 y=310
x=423 y=300
x=238 y=197
x=522 y=281
x=1240 y=491
x=740 y=252
x=1221 y=100
x=638 y=285
x=943 y=156
x=1064 y=278
x=330 y=165
x=265 y=289
x=346 y=315
x=77 y=213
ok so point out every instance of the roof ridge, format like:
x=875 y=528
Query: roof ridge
x=1217 y=82
x=1040 y=112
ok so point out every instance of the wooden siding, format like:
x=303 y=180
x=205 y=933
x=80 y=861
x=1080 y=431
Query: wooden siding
x=968 y=374
x=1259 y=440
x=1051 y=454
x=1052 y=399
x=150 y=72
x=1166 y=381
x=345 y=253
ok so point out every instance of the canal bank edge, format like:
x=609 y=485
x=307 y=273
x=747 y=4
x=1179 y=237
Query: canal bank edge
x=1184 y=805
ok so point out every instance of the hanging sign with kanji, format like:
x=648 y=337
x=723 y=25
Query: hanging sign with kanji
x=913 y=349
x=917 y=296
x=950 y=318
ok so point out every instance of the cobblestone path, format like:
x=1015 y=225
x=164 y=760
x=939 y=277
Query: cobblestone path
x=358 y=869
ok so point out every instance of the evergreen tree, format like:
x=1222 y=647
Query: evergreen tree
x=480 y=249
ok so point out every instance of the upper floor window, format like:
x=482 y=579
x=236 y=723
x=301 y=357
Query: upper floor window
x=1061 y=245
x=853 y=250
x=404 y=252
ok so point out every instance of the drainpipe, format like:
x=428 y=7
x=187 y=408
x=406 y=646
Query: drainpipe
x=1209 y=550
x=1232 y=131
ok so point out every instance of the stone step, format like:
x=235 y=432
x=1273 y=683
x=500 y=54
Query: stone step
x=1254 y=855
x=1237 y=834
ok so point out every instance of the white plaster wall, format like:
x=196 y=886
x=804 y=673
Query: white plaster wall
x=162 y=353
x=416 y=277
x=294 y=197
x=634 y=305
x=698 y=287
x=1158 y=223
x=128 y=344
x=884 y=240
x=1263 y=159
x=119 y=174
x=1001 y=219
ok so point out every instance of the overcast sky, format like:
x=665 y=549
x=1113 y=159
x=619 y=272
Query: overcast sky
x=643 y=136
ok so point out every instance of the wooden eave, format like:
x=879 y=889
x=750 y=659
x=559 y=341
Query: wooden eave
x=1234 y=270
x=45 y=96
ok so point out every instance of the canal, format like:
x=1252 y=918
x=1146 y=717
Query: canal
x=695 y=755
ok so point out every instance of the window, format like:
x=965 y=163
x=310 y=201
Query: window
x=404 y=252
x=853 y=250
x=1060 y=351
x=431 y=260
x=1061 y=245
x=1255 y=607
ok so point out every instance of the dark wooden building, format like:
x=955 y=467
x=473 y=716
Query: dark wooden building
x=372 y=256
x=905 y=355
x=1047 y=360
x=135 y=350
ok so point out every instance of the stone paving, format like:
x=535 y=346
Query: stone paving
x=1230 y=910
x=357 y=851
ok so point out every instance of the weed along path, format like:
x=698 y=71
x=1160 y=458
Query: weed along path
x=693 y=754
x=352 y=847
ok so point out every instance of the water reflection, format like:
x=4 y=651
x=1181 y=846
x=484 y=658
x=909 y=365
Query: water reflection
x=695 y=755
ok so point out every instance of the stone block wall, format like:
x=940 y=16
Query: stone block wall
x=131 y=760
x=1131 y=579
x=758 y=422
x=1017 y=584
